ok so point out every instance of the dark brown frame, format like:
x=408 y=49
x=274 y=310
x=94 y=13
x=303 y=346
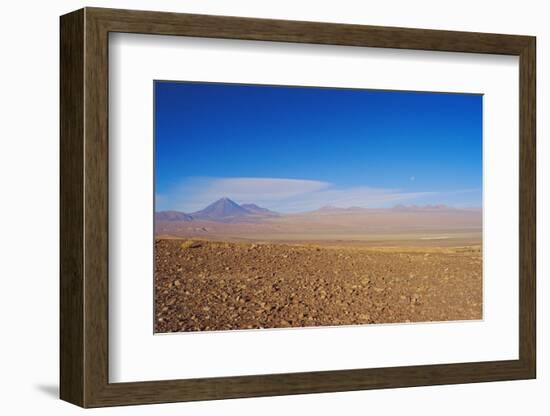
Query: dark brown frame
x=84 y=208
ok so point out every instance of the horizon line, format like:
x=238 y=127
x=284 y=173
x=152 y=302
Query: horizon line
x=329 y=206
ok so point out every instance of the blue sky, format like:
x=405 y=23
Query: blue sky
x=295 y=149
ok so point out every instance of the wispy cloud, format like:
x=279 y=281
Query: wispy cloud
x=280 y=194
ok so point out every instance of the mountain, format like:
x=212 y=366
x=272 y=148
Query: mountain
x=439 y=207
x=255 y=209
x=221 y=209
x=328 y=208
x=228 y=211
x=331 y=209
x=172 y=216
x=224 y=210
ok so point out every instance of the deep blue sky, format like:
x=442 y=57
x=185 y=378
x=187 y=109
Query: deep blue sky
x=415 y=148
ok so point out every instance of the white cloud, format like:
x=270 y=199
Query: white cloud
x=280 y=194
x=264 y=189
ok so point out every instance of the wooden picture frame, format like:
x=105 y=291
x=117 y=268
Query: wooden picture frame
x=84 y=207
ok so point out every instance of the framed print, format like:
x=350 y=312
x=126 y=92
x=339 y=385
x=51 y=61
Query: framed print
x=260 y=207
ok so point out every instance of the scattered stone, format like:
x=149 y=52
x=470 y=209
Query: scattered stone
x=318 y=287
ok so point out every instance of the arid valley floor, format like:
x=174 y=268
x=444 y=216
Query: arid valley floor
x=327 y=268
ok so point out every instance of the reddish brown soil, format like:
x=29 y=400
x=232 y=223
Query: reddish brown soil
x=202 y=286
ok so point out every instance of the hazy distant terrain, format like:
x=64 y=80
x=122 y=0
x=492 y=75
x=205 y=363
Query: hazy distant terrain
x=402 y=225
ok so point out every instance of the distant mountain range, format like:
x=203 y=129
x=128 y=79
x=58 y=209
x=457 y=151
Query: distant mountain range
x=439 y=207
x=226 y=210
x=173 y=216
x=333 y=210
x=429 y=208
x=223 y=209
x=255 y=209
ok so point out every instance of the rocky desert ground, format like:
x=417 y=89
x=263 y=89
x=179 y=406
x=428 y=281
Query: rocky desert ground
x=205 y=285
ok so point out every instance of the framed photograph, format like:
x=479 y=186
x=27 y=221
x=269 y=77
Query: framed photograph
x=257 y=207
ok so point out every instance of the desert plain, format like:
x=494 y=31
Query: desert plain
x=232 y=266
